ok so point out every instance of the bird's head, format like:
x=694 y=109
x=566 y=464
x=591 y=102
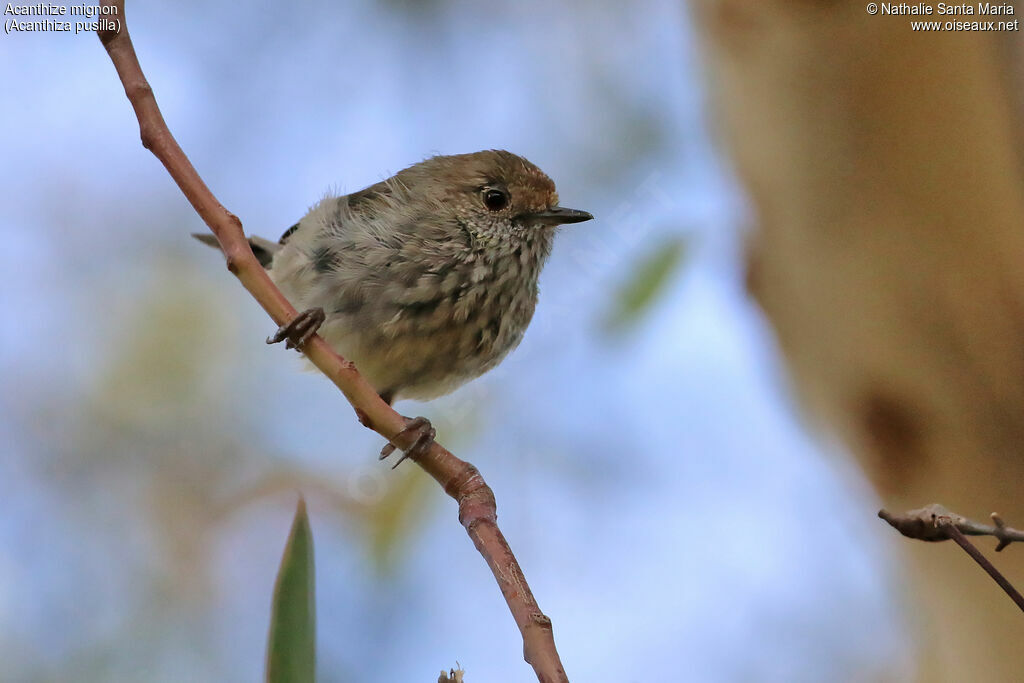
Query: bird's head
x=492 y=194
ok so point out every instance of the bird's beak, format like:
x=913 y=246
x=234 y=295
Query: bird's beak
x=557 y=216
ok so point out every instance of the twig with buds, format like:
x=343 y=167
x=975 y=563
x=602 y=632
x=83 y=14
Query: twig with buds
x=462 y=481
x=936 y=523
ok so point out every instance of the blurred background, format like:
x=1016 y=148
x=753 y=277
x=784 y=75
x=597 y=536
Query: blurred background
x=674 y=515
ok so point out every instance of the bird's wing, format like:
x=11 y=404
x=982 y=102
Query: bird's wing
x=367 y=201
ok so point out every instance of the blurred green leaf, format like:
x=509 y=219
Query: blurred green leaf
x=291 y=650
x=645 y=284
x=399 y=512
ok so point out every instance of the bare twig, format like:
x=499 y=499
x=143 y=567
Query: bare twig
x=982 y=561
x=462 y=481
x=936 y=523
x=923 y=525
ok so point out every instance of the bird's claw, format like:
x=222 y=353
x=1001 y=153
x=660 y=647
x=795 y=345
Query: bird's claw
x=299 y=329
x=418 y=428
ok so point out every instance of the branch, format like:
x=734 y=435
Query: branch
x=936 y=523
x=461 y=480
x=924 y=525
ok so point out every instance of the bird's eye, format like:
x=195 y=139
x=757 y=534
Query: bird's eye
x=495 y=200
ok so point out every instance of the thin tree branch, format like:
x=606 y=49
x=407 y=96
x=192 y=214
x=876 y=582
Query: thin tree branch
x=461 y=480
x=976 y=555
x=923 y=525
x=936 y=523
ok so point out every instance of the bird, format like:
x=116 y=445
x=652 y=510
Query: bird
x=425 y=280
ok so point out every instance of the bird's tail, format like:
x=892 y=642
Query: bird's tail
x=263 y=249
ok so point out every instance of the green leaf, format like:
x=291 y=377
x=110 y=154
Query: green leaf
x=291 y=648
x=392 y=519
x=646 y=283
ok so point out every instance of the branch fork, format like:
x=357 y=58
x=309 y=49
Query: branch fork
x=935 y=522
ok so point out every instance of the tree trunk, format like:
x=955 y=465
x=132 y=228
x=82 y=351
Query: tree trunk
x=883 y=170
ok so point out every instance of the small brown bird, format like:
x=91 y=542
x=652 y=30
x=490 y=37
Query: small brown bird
x=425 y=280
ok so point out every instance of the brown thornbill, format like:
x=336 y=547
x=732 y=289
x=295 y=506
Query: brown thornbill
x=425 y=280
